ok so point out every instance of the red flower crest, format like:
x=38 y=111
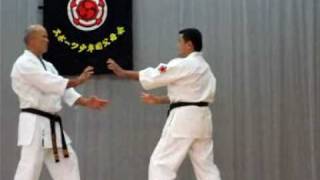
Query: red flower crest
x=162 y=69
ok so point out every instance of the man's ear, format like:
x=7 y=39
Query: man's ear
x=190 y=45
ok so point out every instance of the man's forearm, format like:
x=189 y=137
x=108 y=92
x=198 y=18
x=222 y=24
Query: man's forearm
x=133 y=75
x=73 y=83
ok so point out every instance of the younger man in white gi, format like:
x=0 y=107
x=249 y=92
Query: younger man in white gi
x=40 y=90
x=191 y=88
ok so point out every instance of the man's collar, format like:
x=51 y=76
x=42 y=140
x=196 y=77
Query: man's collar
x=194 y=53
x=27 y=51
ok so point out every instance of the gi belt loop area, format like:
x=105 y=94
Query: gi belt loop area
x=53 y=118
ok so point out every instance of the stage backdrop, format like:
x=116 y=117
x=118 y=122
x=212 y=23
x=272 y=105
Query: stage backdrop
x=87 y=32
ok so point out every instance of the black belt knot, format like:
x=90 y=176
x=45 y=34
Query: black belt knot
x=53 y=119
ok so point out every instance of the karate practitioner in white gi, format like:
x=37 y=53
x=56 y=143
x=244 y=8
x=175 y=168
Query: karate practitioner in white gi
x=39 y=87
x=191 y=87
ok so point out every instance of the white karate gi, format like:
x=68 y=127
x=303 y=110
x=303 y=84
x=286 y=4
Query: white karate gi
x=41 y=89
x=188 y=129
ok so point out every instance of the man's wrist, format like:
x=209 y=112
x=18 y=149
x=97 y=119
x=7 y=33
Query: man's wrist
x=80 y=79
x=83 y=101
x=164 y=100
x=125 y=74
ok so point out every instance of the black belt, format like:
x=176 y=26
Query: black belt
x=180 y=104
x=53 y=118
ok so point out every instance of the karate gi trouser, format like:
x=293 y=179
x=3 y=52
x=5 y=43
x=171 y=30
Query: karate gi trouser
x=170 y=153
x=34 y=155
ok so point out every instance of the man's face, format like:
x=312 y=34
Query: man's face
x=40 y=40
x=183 y=46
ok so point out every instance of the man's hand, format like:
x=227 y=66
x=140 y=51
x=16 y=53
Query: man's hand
x=96 y=103
x=86 y=74
x=149 y=98
x=153 y=99
x=117 y=70
x=92 y=102
x=83 y=77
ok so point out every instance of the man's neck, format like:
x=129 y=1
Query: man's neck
x=36 y=53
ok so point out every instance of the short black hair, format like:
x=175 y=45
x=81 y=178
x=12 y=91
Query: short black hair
x=193 y=35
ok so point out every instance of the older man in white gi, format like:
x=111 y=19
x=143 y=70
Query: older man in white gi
x=191 y=88
x=40 y=90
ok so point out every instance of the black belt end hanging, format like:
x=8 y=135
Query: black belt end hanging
x=66 y=153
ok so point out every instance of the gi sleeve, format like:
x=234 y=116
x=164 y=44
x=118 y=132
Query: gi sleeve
x=70 y=96
x=163 y=74
x=34 y=74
